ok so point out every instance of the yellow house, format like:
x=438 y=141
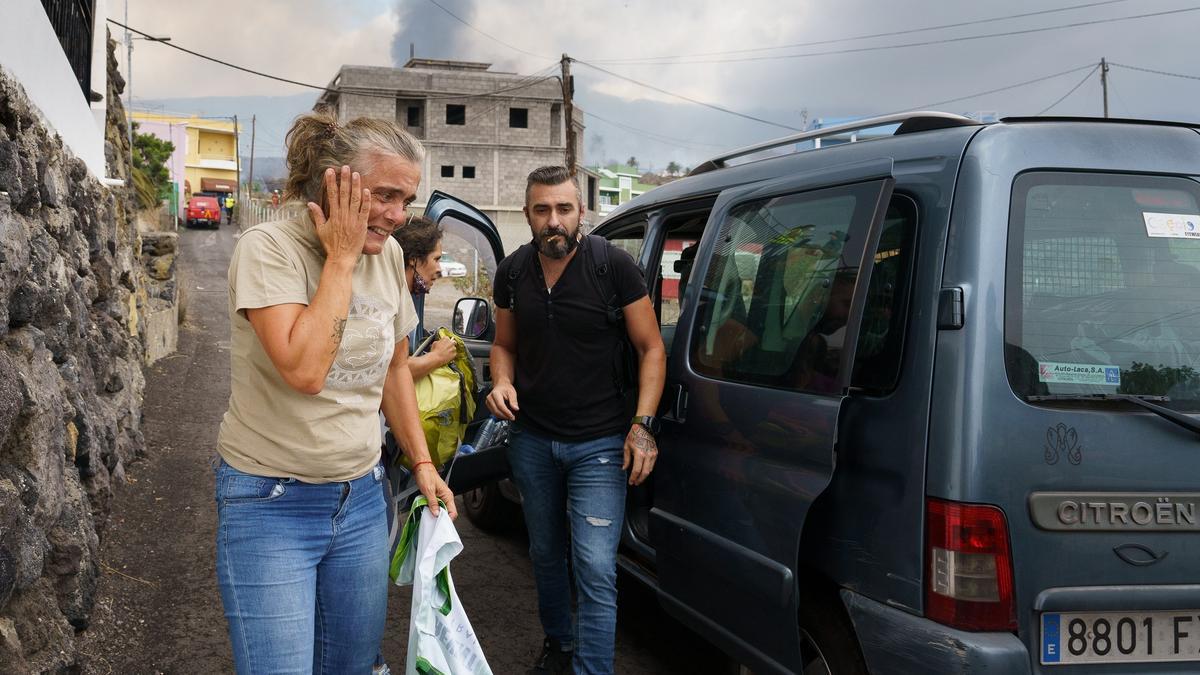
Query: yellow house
x=207 y=160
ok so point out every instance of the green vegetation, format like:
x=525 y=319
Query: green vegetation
x=151 y=179
x=1142 y=378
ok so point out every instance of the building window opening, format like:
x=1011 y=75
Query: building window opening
x=518 y=118
x=447 y=171
x=456 y=114
x=468 y=172
x=414 y=116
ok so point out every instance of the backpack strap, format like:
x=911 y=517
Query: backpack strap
x=519 y=261
x=601 y=276
x=625 y=370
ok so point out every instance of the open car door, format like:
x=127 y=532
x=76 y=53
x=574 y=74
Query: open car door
x=461 y=301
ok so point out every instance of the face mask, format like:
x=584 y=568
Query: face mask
x=419 y=285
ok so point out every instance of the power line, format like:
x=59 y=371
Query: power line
x=686 y=98
x=523 y=83
x=654 y=136
x=864 y=37
x=935 y=104
x=1064 y=97
x=536 y=75
x=1156 y=72
x=490 y=37
x=277 y=78
x=1128 y=111
x=924 y=43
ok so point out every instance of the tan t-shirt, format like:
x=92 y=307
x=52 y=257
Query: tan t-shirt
x=270 y=428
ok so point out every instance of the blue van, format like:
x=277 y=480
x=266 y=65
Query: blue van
x=931 y=401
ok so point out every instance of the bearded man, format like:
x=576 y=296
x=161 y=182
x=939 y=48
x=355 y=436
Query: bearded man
x=572 y=438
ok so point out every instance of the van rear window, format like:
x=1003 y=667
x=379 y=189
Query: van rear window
x=1103 y=286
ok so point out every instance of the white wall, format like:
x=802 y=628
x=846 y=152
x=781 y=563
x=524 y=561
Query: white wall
x=30 y=53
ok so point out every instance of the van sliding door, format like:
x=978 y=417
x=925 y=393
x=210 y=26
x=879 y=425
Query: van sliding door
x=758 y=370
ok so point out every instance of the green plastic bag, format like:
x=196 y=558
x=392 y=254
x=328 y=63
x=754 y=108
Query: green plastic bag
x=446 y=401
x=440 y=638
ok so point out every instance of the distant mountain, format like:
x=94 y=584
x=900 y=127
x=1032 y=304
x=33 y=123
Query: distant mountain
x=266 y=169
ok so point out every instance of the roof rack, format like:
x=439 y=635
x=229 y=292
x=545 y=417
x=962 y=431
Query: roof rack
x=1101 y=120
x=909 y=122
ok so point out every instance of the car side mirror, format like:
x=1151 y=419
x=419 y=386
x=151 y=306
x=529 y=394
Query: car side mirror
x=472 y=318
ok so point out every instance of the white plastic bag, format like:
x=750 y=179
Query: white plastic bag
x=440 y=638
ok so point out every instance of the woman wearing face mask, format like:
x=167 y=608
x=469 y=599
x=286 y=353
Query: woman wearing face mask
x=421 y=240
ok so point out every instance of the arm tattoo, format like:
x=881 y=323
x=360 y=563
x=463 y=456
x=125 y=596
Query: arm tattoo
x=339 y=327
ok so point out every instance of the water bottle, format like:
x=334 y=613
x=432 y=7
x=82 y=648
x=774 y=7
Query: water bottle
x=492 y=432
x=466 y=449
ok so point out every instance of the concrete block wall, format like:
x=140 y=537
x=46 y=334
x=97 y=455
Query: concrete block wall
x=502 y=155
x=515 y=165
x=480 y=190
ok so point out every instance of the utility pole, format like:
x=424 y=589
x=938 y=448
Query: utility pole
x=568 y=90
x=237 y=156
x=129 y=78
x=253 y=128
x=1104 y=82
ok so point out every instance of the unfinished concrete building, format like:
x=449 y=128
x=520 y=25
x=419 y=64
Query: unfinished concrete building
x=484 y=131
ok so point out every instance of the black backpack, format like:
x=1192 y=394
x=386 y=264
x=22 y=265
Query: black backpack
x=625 y=368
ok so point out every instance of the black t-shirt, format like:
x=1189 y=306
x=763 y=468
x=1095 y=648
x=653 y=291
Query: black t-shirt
x=566 y=347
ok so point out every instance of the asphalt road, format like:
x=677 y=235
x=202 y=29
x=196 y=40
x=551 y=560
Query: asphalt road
x=158 y=609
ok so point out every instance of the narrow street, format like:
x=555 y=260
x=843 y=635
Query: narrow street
x=157 y=606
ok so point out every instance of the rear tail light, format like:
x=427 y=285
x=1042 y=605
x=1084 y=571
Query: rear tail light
x=969 y=577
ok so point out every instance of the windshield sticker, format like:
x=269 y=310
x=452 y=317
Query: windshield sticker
x=1174 y=225
x=1078 y=373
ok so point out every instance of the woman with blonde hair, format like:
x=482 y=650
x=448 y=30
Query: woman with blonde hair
x=319 y=315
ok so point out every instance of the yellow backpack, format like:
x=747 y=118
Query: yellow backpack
x=445 y=401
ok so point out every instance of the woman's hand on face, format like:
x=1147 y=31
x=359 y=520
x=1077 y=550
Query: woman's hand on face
x=343 y=231
x=431 y=485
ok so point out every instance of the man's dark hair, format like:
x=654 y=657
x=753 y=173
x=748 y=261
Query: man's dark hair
x=552 y=175
x=418 y=238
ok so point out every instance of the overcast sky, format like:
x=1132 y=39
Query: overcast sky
x=307 y=40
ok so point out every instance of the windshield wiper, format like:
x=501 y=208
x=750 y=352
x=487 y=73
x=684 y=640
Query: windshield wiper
x=1142 y=400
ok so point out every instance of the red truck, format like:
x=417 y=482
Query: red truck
x=203 y=211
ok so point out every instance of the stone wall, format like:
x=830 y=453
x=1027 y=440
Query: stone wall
x=72 y=292
x=161 y=311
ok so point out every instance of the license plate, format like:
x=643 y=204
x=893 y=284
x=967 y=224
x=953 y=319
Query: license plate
x=1120 y=637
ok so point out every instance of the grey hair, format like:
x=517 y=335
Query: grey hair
x=317 y=142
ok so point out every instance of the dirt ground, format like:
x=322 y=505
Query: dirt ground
x=158 y=609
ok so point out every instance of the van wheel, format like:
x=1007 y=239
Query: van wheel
x=489 y=510
x=829 y=644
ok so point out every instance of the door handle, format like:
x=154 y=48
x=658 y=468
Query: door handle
x=676 y=401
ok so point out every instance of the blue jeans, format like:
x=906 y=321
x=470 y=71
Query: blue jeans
x=580 y=486
x=303 y=571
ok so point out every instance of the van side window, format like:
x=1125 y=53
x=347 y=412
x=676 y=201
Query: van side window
x=678 y=254
x=631 y=238
x=777 y=292
x=881 y=336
